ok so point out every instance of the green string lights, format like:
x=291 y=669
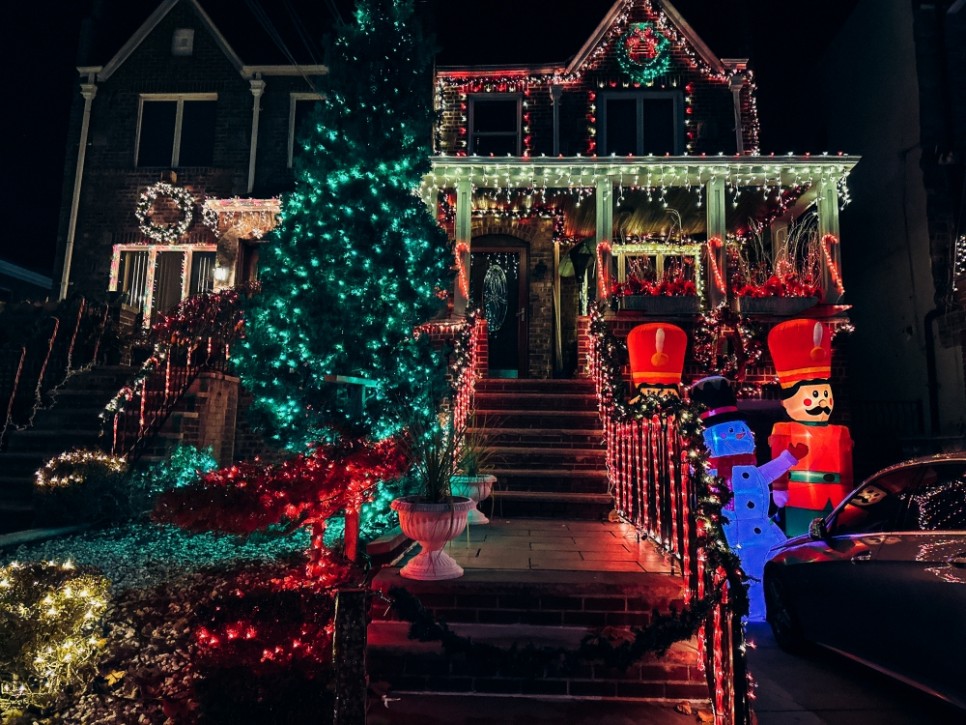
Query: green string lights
x=357 y=261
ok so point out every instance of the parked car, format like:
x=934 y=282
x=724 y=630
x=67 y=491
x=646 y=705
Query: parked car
x=882 y=578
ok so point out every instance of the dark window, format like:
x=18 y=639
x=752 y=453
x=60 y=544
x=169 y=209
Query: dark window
x=639 y=124
x=939 y=503
x=495 y=126
x=197 y=134
x=176 y=132
x=202 y=272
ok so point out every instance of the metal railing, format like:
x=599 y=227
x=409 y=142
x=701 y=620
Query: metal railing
x=195 y=337
x=656 y=489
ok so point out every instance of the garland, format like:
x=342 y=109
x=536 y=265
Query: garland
x=745 y=337
x=664 y=631
x=642 y=53
x=164 y=233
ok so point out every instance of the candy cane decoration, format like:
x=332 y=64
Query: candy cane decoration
x=461 y=270
x=715 y=244
x=827 y=241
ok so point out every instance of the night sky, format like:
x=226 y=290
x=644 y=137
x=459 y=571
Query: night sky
x=784 y=41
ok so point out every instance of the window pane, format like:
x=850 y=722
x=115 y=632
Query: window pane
x=202 y=272
x=940 y=502
x=495 y=116
x=132 y=277
x=496 y=145
x=157 y=133
x=303 y=110
x=197 y=133
x=621 y=126
x=659 y=126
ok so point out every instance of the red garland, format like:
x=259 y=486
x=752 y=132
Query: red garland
x=787 y=285
x=674 y=287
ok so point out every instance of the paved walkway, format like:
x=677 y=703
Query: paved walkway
x=546 y=544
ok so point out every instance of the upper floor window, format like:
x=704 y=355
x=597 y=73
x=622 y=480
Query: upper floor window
x=495 y=124
x=639 y=123
x=301 y=106
x=176 y=130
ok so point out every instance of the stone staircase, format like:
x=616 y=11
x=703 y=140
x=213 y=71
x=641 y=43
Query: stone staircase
x=545 y=444
x=547 y=572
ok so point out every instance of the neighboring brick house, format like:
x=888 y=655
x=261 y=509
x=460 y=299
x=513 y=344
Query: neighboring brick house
x=637 y=157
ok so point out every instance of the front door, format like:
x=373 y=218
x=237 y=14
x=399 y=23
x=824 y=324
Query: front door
x=498 y=288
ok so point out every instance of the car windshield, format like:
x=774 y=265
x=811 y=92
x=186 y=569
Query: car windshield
x=939 y=503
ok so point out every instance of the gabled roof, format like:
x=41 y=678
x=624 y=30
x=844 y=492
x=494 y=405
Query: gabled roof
x=152 y=22
x=251 y=34
x=606 y=25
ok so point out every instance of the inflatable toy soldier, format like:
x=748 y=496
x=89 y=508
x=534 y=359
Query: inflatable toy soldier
x=802 y=353
x=656 y=352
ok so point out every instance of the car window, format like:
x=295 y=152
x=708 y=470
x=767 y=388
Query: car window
x=939 y=502
x=877 y=506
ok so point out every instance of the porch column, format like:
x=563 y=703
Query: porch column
x=605 y=233
x=88 y=91
x=717 y=230
x=828 y=234
x=464 y=232
x=258 y=88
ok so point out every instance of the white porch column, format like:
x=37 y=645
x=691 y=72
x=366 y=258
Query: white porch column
x=717 y=222
x=828 y=224
x=464 y=232
x=88 y=91
x=605 y=233
x=257 y=88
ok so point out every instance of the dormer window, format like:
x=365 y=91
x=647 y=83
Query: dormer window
x=638 y=123
x=495 y=124
x=183 y=42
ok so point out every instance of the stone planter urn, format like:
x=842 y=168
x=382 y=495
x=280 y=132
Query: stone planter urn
x=432 y=525
x=478 y=488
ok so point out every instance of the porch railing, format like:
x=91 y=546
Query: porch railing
x=656 y=484
x=195 y=337
x=41 y=347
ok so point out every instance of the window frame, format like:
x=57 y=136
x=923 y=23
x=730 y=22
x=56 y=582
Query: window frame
x=676 y=96
x=293 y=100
x=472 y=134
x=178 y=99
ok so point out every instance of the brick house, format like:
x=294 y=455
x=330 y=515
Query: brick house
x=635 y=161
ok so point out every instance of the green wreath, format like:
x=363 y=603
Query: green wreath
x=164 y=233
x=643 y=53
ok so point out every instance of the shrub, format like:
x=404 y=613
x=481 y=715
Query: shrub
x=50 y=621
x=84 y=485
x=186 y=465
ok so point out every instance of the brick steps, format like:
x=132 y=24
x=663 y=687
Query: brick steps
x=538 y=419
x=554 y=459
x=542 y=438
x=550 y=401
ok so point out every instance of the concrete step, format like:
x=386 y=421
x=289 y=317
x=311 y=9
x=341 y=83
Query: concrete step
x=533 y=401
x=422 y=666
x=53 y=441
x=525 y=418
x=542 y=438
x=550 y=481
x=555 y=459
x=525 y=385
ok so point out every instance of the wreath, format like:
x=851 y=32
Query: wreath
x=643 y=53
x=165 y=233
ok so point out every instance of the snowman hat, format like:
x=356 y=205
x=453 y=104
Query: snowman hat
x=715 y=393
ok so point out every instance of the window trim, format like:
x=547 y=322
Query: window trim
x=293 y=100
x=179 y=99
x=472 y=134
x=676 y=96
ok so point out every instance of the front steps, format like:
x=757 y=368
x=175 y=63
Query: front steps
x=545 y=448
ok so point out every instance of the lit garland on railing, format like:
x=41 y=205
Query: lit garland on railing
x=715 y=578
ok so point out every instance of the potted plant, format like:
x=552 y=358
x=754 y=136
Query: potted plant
x=433 y=516
x=470 y=479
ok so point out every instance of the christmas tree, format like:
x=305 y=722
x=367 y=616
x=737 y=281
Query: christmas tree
x=357 y=261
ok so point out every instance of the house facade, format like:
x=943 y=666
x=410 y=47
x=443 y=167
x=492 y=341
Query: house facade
x=630 y=171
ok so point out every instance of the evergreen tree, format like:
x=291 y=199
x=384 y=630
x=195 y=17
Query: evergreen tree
x=358 y=260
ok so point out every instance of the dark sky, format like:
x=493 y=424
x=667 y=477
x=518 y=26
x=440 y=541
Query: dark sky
x=784 y=41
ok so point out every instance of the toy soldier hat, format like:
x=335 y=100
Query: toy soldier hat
x=656 y=351
x=717 y=395
x=801 y=350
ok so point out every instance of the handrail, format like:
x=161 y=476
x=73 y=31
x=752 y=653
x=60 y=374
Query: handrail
x=655 y=481
x=195 y=337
